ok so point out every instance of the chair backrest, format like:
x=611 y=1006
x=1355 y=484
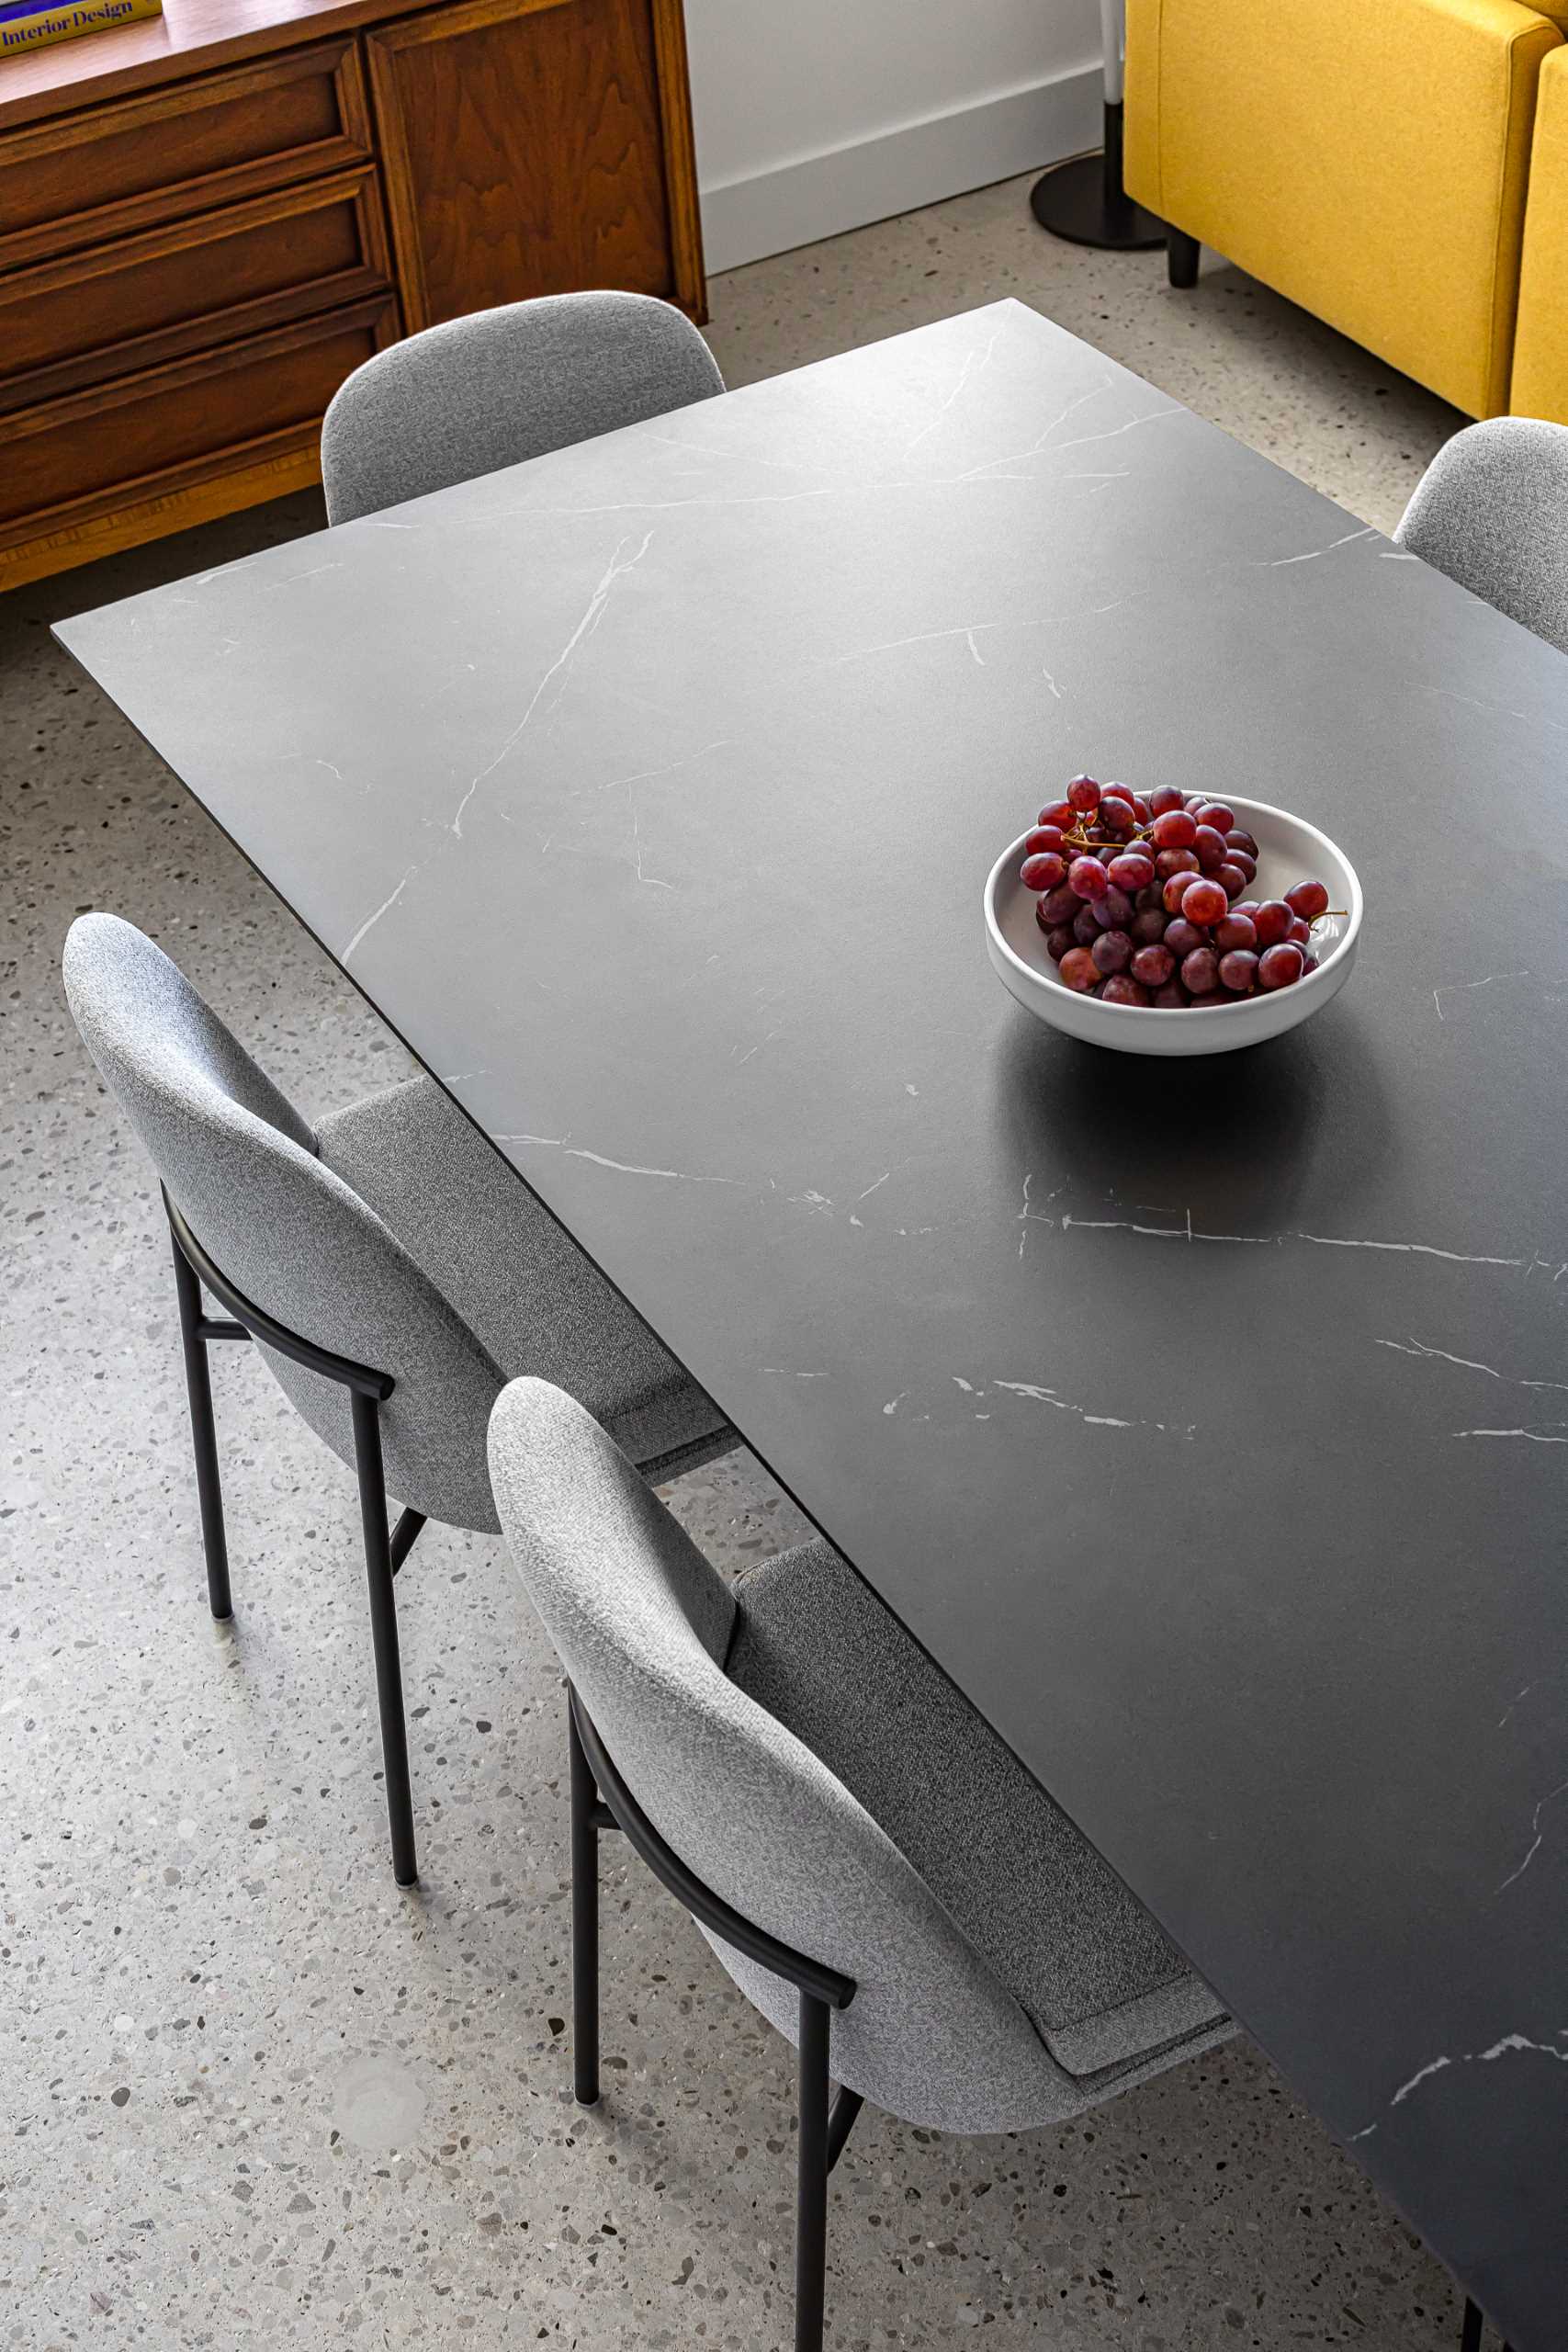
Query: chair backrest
x=642 y=1622
x=499 y=386
x=240 y=1163
x=1492 y=511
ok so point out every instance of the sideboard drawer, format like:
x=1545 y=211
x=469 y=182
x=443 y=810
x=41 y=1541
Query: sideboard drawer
x=175 y=423
x=187 y=286
x=128 y=165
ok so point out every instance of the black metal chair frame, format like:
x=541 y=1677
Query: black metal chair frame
x=600 y=1800
x=384 y=1553
x=1474 y=2324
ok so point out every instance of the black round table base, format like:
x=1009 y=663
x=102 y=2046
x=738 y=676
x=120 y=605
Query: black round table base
x=1071 y=200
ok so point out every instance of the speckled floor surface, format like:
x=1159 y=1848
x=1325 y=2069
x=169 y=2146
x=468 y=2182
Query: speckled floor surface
x=250 y=2095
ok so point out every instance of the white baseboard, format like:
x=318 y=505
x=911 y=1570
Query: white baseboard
x=919 y=163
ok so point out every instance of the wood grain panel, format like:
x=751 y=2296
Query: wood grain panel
x=71 y=182
x=680 y=158
x=177 y=505
x=194 y=251
x=524 y=152
x=191 y=38
x=189 y=285
x=170 y=426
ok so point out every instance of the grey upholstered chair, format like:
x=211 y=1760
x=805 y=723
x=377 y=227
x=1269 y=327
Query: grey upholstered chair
x=1492 y=511
x=869 y=1863
x=392 y=1270
x=499 y=386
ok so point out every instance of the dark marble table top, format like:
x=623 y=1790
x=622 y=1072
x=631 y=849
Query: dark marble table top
x=1207 y=1421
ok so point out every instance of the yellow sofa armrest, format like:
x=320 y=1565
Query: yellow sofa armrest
x=1366 y=158
x=1540 y=344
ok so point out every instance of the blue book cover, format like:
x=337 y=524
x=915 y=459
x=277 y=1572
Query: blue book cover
x=25 y=23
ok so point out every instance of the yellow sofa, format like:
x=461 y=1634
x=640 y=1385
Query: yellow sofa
x=1370 y=159
x=1540 y=347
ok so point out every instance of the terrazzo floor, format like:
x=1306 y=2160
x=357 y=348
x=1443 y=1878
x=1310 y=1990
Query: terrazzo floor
x=250 y=2095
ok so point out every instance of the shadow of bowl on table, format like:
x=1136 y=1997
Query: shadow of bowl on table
x=1237 y=1138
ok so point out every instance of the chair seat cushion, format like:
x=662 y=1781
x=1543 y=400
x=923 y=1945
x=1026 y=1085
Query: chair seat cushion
x=524 y=1289
x=1082 y=1958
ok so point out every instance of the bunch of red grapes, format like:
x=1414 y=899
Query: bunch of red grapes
x=1143 y=901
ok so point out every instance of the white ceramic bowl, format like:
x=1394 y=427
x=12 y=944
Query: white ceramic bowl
x=1289 y=851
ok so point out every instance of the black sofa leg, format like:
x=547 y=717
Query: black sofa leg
x=1181 y=254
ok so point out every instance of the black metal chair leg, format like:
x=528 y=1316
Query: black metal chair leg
x=1470 y=2336
x=811 y=2196
x=204 y=1435
x=585 y=1922
x=378 y=1572
x=1181 y=252
x=842 y=2116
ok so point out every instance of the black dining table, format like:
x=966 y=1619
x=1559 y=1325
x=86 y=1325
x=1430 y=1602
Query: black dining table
x=1205 y=1420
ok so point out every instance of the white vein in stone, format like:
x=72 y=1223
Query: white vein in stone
x=966 y=629
x=1537 y=1837
x=1150 y=416
x=1279 y=562
x=1036 y=447
x=649 y=881
x=1503 y=709
x=845 y=489
x=1434 y=2067
x=558 y=667
x=646 y=775
x=371 y=920
x=740 y=1059
x=1453 y=988
x=1536 y=1437
x=1045 y=446
x=1415 y=1348
x=1041 y=1394
x=1028 y=1216
x=295 y=577
x=620 y=1167
x=1189 y=1232
x=966 y=374
x=1506 y=2045
x=736 y=456
x=1468 y=1364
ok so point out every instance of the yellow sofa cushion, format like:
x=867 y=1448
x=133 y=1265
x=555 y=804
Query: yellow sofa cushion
x=1541 y=346
x=1367 y=158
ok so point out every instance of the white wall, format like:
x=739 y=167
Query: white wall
x=815 y=116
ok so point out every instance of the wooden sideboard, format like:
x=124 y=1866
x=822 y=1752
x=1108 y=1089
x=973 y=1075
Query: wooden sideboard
x=207 y=220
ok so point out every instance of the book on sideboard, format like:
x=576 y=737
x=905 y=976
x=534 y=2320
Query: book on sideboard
x=34 y=24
